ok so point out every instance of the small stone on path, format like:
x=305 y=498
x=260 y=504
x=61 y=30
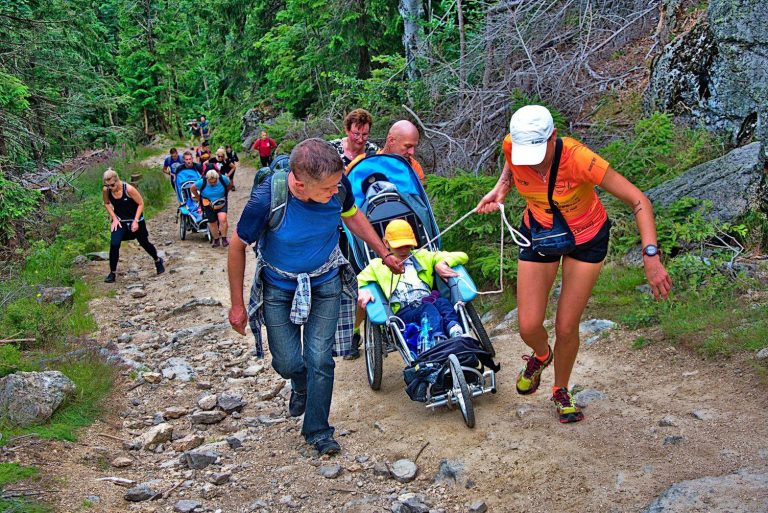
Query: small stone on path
x=477 y=507
x=186 y=506
x=668 y=421
x=121 y=462
x=151 y=377
x=208 y=402
x=673 y=440
x=404 y=471
x=199 y=459
x=208 y=417
x=588 y=396
x=762 y=354
x=139 y=493
x=330 y=471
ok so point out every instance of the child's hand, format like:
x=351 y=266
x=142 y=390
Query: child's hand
x=444 y=271
x=364 y=297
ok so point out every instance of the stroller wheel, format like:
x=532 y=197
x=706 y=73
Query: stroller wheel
x=183 y=228
x=460 y=391
x=477 y=327
x=374 y=350
x=208 y=234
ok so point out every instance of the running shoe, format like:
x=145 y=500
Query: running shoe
x=224 y=242
x=567 y=411
x=216 y=243
x=110 y=278
x=159 y=267
x=529 y=378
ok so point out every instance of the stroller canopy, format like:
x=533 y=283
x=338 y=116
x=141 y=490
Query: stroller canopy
x=385 y=187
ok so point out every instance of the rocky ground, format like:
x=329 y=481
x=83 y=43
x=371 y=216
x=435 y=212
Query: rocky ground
x=195 y=423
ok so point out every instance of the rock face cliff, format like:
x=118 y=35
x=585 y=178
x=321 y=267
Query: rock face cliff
x=716 y=73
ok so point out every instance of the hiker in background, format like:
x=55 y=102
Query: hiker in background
x=205 y=128
x=171 y=163
x=357 y=126
x=211 y=193
x=189 y=163
x=302 y=279
x=195 y=132
x=265 y=145
x=203 y=153
x=402 y=140
x=233 y=161
x=557 y=178
x=126 y=211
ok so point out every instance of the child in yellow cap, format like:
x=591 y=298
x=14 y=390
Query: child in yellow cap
x=410 y=294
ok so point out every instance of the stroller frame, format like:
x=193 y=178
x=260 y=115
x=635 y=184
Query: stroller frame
x=383 y=330
x=184 y=217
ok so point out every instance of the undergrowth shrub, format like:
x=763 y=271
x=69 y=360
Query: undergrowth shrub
x=478 y=235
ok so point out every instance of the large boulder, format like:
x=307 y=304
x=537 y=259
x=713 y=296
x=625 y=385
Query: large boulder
x=719 y=494
x=30 y=398
x=734 y=183
x=717 y=72
x=56 y=295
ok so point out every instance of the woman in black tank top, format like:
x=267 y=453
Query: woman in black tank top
x=125 y=207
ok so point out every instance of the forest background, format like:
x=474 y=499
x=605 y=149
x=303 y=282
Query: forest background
x=114 y=75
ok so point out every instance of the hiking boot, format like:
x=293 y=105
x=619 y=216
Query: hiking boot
x=529 y=378
x=297 y=404
x=567 y=411
x=355 y=353
x=216 y=243
x=327 y=446
x=110 y=278
x=224 y=242
x=159 y=267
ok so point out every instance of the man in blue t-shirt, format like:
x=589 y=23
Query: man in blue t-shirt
x=302 y=279
x=211 y=193
x=171 y=163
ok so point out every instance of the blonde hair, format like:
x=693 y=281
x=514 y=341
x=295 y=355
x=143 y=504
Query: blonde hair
x=212 y=173
x=222 y=150
x=110 y=173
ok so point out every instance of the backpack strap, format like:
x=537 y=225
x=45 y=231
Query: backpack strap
x=553 y=172
x=551 y=183
x=279 y=199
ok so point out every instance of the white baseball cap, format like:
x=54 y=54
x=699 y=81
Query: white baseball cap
x=530 y=127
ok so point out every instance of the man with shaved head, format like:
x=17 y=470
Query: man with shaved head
x=402 y=139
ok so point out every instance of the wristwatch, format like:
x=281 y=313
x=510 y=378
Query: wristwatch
x=650 y=250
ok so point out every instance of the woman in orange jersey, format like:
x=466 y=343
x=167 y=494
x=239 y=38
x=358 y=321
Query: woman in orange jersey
x=573 y=223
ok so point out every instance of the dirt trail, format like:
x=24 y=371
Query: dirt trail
x=518 y=458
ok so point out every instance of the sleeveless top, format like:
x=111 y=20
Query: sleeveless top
x=125 y=208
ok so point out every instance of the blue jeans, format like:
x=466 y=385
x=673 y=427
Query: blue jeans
x=310 y=365
x=441 y=315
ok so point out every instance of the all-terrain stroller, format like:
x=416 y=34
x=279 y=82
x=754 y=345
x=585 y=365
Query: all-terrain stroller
x=454 y=371
x=189 y=216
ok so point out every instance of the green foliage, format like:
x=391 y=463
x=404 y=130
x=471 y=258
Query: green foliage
x=478 y=235
x=14 y=95
x=16 y=203
x=659 y=151
x=13 y=472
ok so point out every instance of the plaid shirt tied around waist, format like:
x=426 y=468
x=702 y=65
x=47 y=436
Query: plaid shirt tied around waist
x=302 y=300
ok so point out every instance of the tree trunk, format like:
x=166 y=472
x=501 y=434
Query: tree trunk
x=462 y=46
x=146 y=121
x=411 y=12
